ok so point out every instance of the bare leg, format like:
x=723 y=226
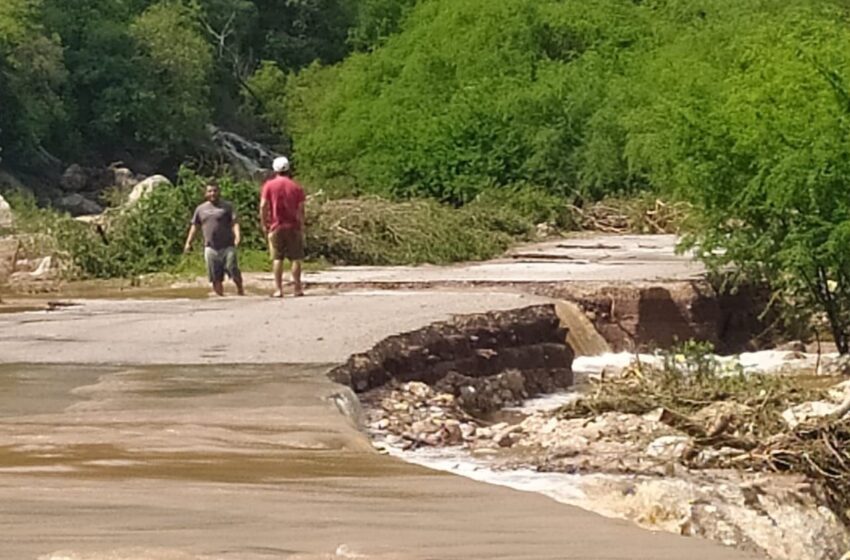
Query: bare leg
x=240 y=289
x=296 y=278
x=218 y=288
x=278 y=278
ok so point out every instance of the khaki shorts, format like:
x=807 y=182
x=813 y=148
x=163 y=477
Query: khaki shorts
x=287 y=244
x=221 y=262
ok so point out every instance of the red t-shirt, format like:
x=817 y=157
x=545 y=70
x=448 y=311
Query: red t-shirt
x=284 y=197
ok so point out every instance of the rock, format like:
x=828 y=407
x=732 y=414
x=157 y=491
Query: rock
x=506 y=440
x=8 y=257
x=722 y=417
x=710 y=456
x=45 y=266
x=569 y=446
x=769 y=515
x=418 y=389
x=74 y=179
x=545 y=230
x=839 y=392
x=146 y=187
x=507 y=436
x=839 y=365
x=468 y=431
x=669 y=448
x=124 y=178
x=792 y=346
x=807 y=412
x=78 y=205
x=5 y=214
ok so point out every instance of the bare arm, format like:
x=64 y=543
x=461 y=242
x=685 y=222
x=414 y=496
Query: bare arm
x=192 y=231
x=302 y=222
x=237 y=234
x=264 y=215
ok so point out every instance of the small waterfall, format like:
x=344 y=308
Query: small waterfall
x=244 y=156
x=583 y=336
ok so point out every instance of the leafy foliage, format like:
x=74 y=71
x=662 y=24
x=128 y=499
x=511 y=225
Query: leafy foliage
x=149 y=236
x=176 y=61
x=757 y=140
x=31 y=77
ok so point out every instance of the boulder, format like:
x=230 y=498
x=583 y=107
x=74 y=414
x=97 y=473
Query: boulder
x=9 y=248
x=124 y=178
x=5 y=214
x=146 y=187
x=10 y=182
x=669 y=448
x=78 y=205
x=74 y=179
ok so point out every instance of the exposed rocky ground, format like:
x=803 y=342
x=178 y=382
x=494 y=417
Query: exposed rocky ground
x=641 y=467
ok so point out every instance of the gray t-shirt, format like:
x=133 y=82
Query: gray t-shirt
x=216 y=221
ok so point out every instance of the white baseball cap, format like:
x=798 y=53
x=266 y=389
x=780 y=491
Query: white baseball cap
x=280 y=164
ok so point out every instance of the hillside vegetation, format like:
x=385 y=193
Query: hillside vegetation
x=741 y=109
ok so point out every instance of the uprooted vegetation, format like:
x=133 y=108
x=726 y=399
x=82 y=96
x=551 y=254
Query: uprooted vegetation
x=740 y=419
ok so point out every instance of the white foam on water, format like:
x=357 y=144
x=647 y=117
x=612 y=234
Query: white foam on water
x=563 y=488
x=764 y=361
x=547 y=402
x=594 y=365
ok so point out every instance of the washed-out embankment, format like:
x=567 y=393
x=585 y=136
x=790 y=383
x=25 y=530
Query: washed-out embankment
x=450 y=396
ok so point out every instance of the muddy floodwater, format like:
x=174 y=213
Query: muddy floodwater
x=154 y=457
x=248 y=462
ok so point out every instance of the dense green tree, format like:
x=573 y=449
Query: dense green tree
x=31 y=76
x=377 y=20
x=468 y=96
x=755 y=131
x=295 y=33
x=171 y=105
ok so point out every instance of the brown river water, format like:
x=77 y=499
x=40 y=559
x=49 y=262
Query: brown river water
x=253 y=463
x=171 y=462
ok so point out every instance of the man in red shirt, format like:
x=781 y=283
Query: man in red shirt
x=282 y=219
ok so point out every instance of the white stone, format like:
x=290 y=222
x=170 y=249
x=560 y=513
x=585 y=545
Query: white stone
x=839 y=392
x=668 y=448
x=44 y=268
x=801 y=413
x=146 y=187
x=5 y=213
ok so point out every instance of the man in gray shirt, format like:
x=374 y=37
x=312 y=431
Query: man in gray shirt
x=222 y=235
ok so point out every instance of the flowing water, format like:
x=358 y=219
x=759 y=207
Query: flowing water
x=150 y=459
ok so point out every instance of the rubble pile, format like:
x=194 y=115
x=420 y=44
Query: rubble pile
x=413 y=414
